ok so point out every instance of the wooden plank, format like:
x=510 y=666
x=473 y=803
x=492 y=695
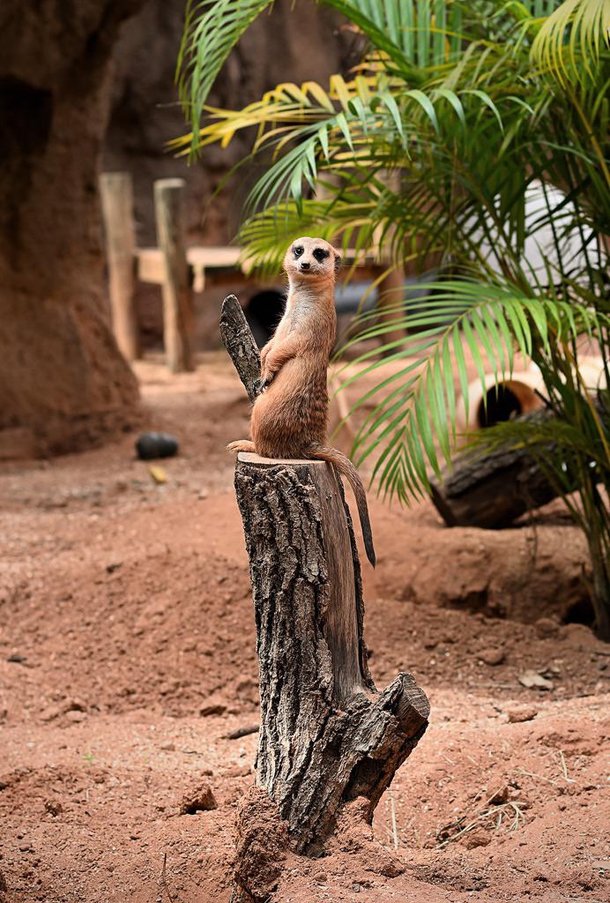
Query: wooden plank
x=177 y=291
x=117 y=209
x=213 y=257
x=392 y=295
x=150 y=265
x=150 y=262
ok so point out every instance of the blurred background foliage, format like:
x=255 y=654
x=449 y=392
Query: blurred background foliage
x=467 y=134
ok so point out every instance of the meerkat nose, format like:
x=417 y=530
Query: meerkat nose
x=305 y=265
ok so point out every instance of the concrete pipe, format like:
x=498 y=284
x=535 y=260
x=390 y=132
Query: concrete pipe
x=518 y=394
x=524 y=391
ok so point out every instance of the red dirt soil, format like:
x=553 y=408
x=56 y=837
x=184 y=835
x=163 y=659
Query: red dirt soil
x=127 y=656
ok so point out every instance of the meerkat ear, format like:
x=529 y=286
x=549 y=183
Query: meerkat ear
x=338 y=261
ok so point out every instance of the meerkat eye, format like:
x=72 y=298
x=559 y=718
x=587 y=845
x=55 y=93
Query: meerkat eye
x=320 y=254
x=298 y=251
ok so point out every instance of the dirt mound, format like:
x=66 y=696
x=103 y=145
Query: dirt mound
x=128 y=680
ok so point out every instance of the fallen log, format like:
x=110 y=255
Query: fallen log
x=327 y=736
x=492 y=490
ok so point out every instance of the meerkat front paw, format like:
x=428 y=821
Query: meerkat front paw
x=260 y=385
x=266 y=379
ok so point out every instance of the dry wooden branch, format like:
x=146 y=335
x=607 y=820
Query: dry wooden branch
x=239 y=342
x=491 y=491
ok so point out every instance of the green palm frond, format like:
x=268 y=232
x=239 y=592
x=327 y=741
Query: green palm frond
x=412 y=423
x=430 y=155
x=365 y=123
x=557 y=445
x=212 y=29
x=414 y=34
x=571 y=40
x=407 y=37
x=350 y=225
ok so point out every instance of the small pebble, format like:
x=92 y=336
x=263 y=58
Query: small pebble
x=492 y=656
x=53 y=807
x=76 y=716
x=546 y=627
x=476 y=838
x=524 y=713
x=156 y=445
x=200 y=799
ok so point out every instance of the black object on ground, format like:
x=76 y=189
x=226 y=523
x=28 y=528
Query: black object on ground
x=156 y=445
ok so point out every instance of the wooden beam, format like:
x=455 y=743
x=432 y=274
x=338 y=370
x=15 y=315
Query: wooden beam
x=177 y=290
x=150 y=263
x=117 y=209
x=391 y=294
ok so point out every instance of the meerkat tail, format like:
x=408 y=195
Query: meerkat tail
x=347 y=469
x=239 y=445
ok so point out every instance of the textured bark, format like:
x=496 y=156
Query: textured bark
x=62 y=377
x=491 y=492
x=327 y=736
x=239 y=342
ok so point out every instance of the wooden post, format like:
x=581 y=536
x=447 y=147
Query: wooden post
x=327 y=736
x=117 y=210
x=177 y=290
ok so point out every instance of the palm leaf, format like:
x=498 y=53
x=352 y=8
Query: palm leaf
x=212 y=29
x=416 y=416
x=570 y=41
x=400 y=31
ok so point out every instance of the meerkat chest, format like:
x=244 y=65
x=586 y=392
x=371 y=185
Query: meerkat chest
x=313 y=327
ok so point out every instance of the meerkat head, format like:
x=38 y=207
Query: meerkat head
x=311 y=260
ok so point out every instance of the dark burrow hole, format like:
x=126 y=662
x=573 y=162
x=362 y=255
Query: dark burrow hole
x=580 y=612
x=502 y=404
x=263 y=313
x=26 y=114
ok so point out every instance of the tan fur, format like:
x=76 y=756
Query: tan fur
x=290 y=418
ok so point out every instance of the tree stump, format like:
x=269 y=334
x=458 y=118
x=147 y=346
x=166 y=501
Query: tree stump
x=327 y=736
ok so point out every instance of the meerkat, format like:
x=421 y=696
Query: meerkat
x=290 y=416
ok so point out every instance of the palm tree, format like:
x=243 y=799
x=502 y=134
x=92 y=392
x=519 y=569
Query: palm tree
x=472 y=109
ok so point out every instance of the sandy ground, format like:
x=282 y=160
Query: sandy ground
x=127 y=657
